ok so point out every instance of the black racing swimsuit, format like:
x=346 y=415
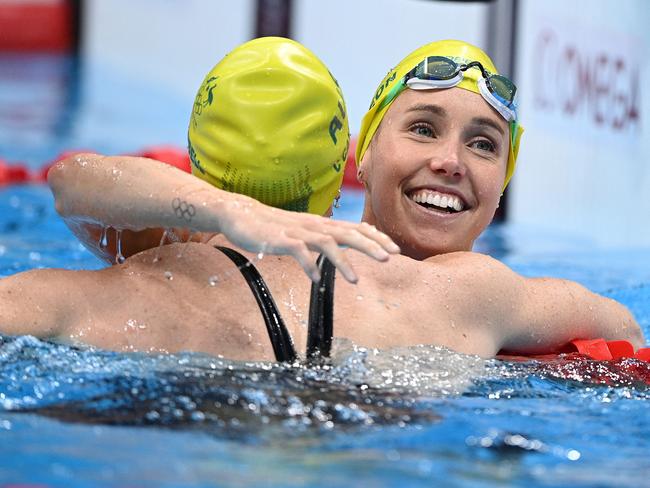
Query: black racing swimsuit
x=321 y=306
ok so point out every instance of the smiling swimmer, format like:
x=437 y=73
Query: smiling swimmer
x=440 y=65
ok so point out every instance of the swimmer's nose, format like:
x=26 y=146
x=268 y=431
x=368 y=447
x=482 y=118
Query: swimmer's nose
x=447 y=162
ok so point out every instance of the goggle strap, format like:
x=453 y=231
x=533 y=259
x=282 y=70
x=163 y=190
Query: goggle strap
x=514 y=125
x=392 y=94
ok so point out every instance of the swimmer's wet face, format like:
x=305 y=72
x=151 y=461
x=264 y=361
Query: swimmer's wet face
x=435 y=170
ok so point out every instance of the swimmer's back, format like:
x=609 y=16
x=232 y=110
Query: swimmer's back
x=192 y=297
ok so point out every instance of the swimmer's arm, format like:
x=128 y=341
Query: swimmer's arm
x=139 y=193
x=99 y=238
x=552 y=312
x=43 y=303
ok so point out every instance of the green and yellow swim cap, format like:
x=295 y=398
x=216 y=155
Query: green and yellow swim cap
x=462 y=53
x=269 y=121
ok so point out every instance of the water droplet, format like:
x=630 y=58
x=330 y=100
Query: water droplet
x=359 y=297
x=213 y=280
x=103 y=239
x=163 y=238
x=260 y=255
x=169 y=275
x=573 y=455
x=119 y=258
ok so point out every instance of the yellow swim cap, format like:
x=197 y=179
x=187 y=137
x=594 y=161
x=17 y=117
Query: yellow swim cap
x=459 y=51
x=269 y=121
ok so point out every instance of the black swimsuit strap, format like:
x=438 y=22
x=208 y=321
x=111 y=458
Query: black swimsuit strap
x=278 y=333
x=321 y=312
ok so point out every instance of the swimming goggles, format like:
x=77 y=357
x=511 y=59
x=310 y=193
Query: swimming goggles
x=442 y=72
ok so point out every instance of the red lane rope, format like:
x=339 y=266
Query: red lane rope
x=18 y=173
x=29 y=26
x=597 y=349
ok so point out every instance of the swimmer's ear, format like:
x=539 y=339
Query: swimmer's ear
x=361 y=170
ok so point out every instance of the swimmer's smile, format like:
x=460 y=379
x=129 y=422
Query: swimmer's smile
x=438 y=201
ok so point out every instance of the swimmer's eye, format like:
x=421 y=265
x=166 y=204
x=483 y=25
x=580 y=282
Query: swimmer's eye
x=483 y=145
x=424 y=130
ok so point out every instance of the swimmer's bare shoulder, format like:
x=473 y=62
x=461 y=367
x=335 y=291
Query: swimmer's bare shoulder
x=159 y=300
x=531 y=315
x=43 y=302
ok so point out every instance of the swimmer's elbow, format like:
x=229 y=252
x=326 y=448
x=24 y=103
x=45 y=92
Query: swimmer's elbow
x=630 y=327
x=56 y=180
x=615 y=321
x=64 y=175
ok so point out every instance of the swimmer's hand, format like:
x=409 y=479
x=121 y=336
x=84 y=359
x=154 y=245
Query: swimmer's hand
x=136 y=194
x=258 y=228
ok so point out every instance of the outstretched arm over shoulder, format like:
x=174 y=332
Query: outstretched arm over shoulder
x=554 y=312
x=84 y=188
x=518 y=315
x=138 y=193
x=547 y=313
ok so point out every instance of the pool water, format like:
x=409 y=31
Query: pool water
x=72 y=416
x=421 y=416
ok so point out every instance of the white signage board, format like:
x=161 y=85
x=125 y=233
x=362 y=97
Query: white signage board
x=585 y=156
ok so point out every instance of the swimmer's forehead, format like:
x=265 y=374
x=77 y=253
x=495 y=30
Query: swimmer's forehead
x=478 y=113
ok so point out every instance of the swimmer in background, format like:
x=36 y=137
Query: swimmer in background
x=421 y=138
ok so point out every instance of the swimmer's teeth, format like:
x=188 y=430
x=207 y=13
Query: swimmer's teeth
x=438 y=200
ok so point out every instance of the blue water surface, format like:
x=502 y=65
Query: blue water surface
x=421 y=416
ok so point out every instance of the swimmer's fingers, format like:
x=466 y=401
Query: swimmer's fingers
x=371 y=232
x=339 y=259
x=274 y=231
x=364 y=238
x=299 y=250
x=329 y=246
x=300 y=243
x=327 y=236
